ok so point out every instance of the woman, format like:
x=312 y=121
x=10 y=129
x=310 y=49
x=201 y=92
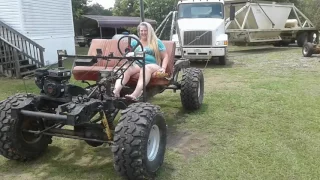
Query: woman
x=155 y=54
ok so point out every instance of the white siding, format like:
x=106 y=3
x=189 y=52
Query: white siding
x=47 y=18
x=47 y=22
x=52 y=45
x=10 y=13
x=50 y=24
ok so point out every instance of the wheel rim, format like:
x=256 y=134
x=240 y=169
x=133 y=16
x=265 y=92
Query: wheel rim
x=153 y=143
x=30 y=138
x=305 y=50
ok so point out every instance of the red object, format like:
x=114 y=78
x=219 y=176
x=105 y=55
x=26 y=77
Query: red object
x=91 y=73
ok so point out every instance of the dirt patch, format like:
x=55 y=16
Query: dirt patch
x=188 y=144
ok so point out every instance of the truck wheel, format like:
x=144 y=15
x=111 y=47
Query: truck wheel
x=277 y=44
x=14 y=143
x=192 y=89
x=140 y=141
x=310 y=37
x=307 y=50
x=302 y=39
x=224 y=59
x=285 y=43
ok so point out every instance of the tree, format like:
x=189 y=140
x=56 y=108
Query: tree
x=81 y=7
x=126 y=8
x=156 y=10
x=97 y=9
x=78 y=8
x=311 y=9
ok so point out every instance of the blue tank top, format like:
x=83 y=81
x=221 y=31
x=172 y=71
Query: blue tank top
x=149 y=53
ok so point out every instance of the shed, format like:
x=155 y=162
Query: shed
x=105 y=27
x=117 y=21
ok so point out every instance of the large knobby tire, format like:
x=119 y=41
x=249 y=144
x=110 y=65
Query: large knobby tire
x=307 y=49
x=192 y=89
x=14 y=144
x=140 y=141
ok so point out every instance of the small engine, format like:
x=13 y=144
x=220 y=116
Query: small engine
x=52 y=82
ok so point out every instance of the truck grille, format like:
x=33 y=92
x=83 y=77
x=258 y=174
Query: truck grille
x=197 y=38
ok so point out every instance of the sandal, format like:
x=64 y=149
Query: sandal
x=116 y=94
x=130 y=97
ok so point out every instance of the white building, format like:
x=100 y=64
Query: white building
x=47 y=23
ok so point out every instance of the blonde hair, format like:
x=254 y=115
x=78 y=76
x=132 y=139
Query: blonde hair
x=152 y=40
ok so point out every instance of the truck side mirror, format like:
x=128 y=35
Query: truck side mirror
x=232 y=12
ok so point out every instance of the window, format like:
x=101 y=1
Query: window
x=201 y=10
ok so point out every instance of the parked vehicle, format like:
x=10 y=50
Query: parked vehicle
x=138 y=140
x=203 y=29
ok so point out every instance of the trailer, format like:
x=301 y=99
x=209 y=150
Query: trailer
x=207 y=27
x=278 y=23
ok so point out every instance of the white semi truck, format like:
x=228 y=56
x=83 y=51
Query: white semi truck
x=203 y=29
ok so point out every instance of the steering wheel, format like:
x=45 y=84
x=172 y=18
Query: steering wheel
x=129 y=48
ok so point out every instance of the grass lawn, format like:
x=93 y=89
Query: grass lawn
x=260 y=120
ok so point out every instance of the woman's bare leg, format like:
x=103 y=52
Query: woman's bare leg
x=126 y=77
x=150 y=68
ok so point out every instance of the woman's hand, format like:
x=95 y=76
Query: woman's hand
x=165 y=60
x=162 y=70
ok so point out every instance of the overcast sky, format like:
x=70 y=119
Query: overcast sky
x=105 y=3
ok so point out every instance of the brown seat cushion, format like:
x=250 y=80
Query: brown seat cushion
x=88 y=73
x=111 y=46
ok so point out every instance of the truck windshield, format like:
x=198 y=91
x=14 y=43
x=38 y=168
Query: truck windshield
x=201 y=10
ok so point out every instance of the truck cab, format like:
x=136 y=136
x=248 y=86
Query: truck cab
x=202 y=30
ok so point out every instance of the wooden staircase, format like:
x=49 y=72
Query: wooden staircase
x=19 y=55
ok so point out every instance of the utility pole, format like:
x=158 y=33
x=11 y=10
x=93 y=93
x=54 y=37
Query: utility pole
x=142 y=10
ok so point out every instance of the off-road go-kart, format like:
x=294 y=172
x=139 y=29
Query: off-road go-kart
x=310 y=48
x=28 y=122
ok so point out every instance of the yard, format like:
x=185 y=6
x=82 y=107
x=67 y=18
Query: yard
x=260 y=120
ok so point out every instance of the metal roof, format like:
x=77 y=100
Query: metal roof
x=117 y=21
